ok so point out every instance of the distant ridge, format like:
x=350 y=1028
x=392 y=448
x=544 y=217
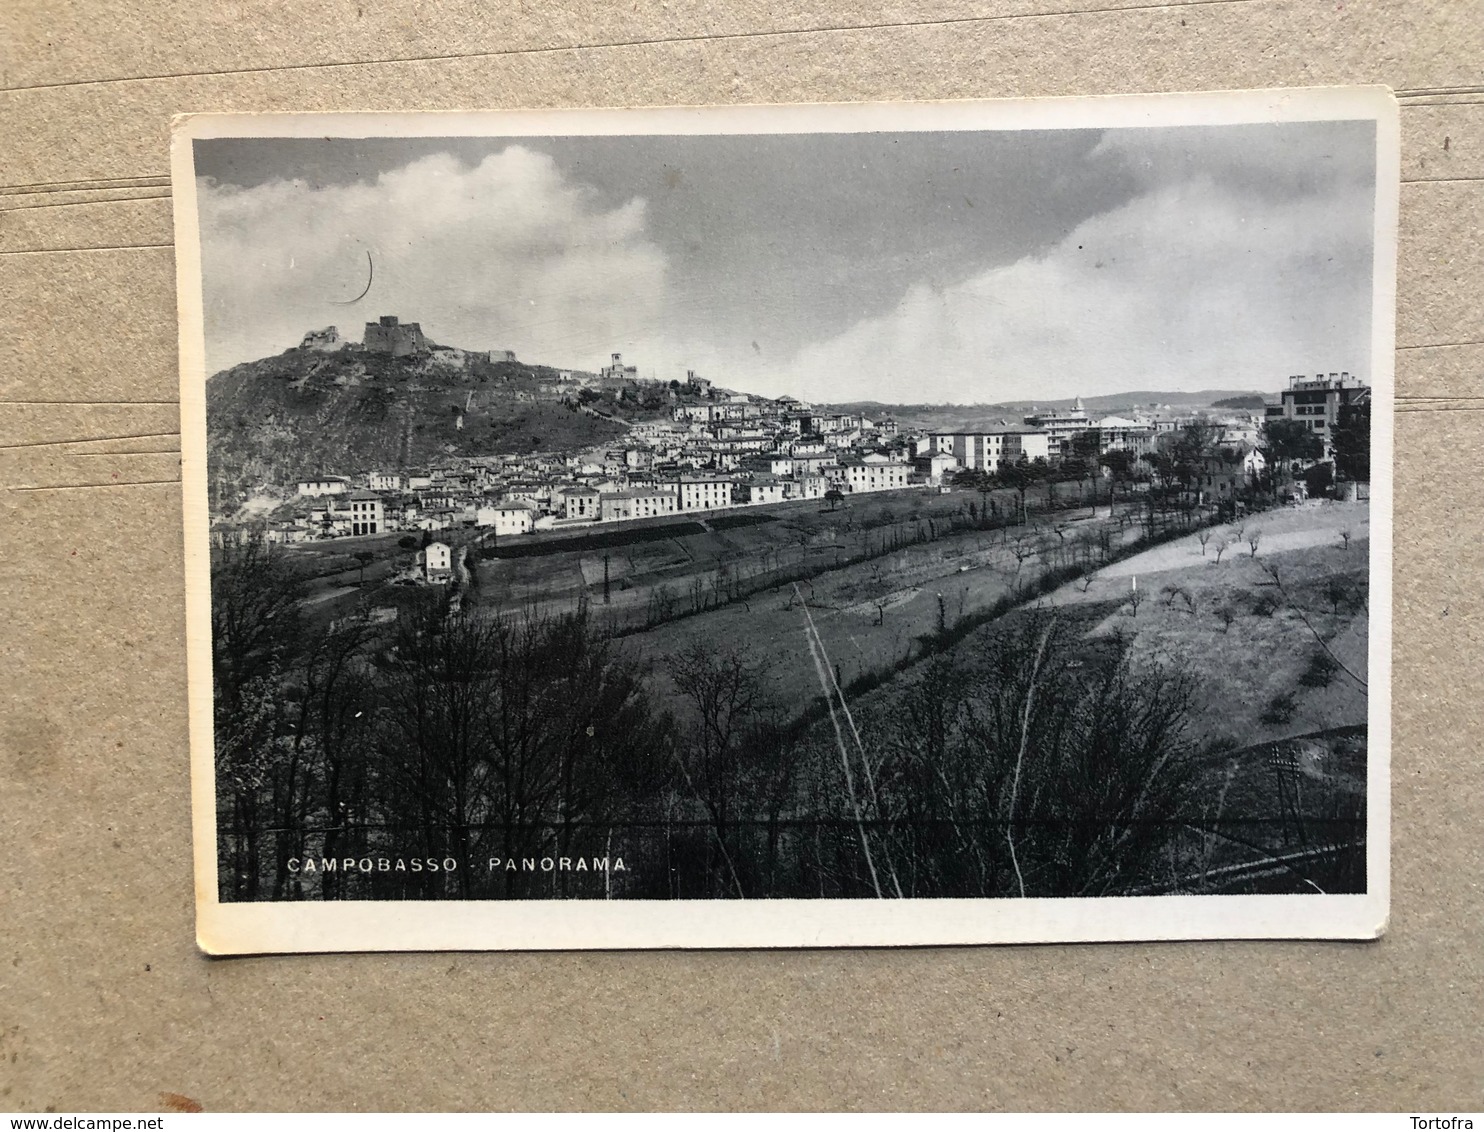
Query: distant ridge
x=945 y=416
x=1137 y=398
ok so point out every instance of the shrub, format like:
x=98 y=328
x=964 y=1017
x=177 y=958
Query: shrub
x=1321 y=670
x=1281 y=709
x=1263 y=605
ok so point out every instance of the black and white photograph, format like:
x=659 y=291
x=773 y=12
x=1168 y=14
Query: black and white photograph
x=790 y=526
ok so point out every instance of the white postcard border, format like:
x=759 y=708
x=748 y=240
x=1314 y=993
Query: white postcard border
x=283 y=927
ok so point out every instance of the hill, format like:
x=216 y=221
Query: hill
x=308 y=411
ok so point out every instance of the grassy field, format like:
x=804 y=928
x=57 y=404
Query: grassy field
x=805 y=537
x=1251 y=638
x=869 y=615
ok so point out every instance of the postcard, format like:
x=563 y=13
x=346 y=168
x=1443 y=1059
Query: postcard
x=790 y=526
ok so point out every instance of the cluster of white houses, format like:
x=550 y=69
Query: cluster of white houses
x=382 y=502
x=723 y=450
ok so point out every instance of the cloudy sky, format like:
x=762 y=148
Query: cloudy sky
x=908 y=267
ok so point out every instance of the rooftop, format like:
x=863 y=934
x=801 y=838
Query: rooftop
x=1321 y=381
x=1000 y=429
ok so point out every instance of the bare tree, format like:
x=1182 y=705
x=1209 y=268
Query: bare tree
x=1254 y=537
x=1337 y=593
x=256 y=638
x=881 y=592
x=726 y=691
x=1203 y=536
x=1045 y=774
x=1022 y=547
x=662 y=604
x=800 y=532
x=1220 y=547
x=1346 y=534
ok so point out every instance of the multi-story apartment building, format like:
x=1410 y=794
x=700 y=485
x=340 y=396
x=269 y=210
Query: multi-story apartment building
x=1060 y=426
x=437 y=562
x=324 y=485
x=636 y=504
x=805 y=424
x=1120 y=433
x=366 y=517
x=842 y=440
x=1227 y=473
x=703 y=492
x=1316 y=402
x=506 y=518
x=760 y=489
x=805 y=487
x=869 y=473
x=580 y=502
x=987 y=448
x=799 y=465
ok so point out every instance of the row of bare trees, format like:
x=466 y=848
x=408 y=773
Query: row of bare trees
x=449 y=737
x=1025 y=764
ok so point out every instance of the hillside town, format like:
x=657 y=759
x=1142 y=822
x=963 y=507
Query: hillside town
x=717 y=449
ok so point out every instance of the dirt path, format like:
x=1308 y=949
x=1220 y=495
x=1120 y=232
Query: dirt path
x=1293 y=528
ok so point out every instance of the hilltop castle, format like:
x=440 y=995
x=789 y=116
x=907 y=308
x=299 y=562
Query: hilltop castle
x=399 y=339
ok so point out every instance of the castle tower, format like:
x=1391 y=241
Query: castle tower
x=388 y=335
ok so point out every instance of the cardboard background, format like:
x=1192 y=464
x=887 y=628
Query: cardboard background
x=104 y=1001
